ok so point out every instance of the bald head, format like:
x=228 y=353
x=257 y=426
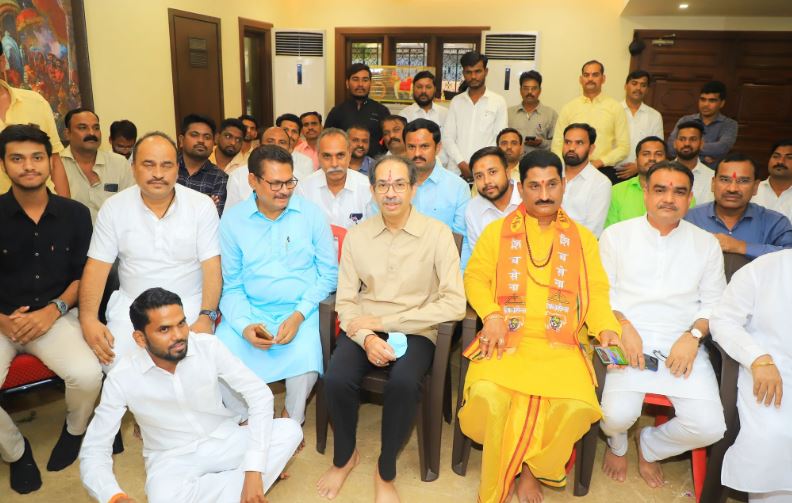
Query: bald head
x=276 y=136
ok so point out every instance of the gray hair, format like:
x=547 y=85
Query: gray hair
x=331 y=131
x=412 y=171
x=152 y=134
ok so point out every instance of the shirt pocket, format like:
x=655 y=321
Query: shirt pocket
x=184 y=245
x=486 y=120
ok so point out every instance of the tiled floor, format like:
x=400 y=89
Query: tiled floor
x=40 y=417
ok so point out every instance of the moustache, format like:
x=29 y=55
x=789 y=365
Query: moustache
x=90 y=137
x=394 y=140
x=667 y=206
x=335 y=170
x=780 y=166
x=179 y=341
x=418 y=158
x=544 y=202
x=156 y=181
x=392 y=200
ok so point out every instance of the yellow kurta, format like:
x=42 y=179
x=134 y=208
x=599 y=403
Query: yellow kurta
x=535 y=403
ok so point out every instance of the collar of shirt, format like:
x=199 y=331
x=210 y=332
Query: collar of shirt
x=538 y=110
x=141 y=359
x=171 y=210
x=656 y=233
x=597 y=99
x=587 y=172
x=642 y=109
x=718 y=118
x=295 y=204
x=750 y=212
x=436 y=177
x=10 y=206
x=416 y=224
x=207 y=165
x=765 y=184
x=349 y=184
x=487 y=94
x=101 y=156
x=14 y=97
x=515 y=200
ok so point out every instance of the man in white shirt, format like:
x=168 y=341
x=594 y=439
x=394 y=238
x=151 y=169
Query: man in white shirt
x=751 y=323
x=642 y=119
x=666 y=276
x=775 y=193
x=587 y=191
x=290 y=123
x=194 y=448
x=342 y=193
x=239 y=189
x=162 y=233
x=688 y=143
x=475 y=117
x=424 y=107
x=498 y=195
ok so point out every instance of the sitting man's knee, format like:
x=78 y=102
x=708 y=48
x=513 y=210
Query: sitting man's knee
x=705 y=424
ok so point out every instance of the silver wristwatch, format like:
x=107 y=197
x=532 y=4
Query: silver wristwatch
x=62 y=306
x=695 y=332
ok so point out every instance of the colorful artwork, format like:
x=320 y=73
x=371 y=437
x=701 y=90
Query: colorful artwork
x=40 y=51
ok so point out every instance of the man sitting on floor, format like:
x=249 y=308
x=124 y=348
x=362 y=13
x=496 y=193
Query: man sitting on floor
x=194 y=448
x=526 y=272
x=385 y=294
x=666 y=275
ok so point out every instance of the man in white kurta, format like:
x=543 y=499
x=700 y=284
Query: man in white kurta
x=342 y=193
x=163 y=234
x=751 y=323
x=194 y=448
x=587 y=192
x=666 y=275
x=688 y=144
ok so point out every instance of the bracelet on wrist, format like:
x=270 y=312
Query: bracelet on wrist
x=493 y=316
x=762 y=364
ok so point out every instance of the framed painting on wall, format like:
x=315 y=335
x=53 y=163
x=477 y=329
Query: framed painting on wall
x=46 y=50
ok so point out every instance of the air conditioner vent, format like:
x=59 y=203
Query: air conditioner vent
x=511 y=46
x=299 y=43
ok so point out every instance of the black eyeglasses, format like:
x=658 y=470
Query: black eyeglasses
x=278 y=185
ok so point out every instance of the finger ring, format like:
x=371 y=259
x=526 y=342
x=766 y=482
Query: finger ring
x=484 y=340
x=500 y=342
x=379 y=362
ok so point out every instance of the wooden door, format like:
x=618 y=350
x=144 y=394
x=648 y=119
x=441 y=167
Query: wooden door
x=755 y=66
x=196 y=65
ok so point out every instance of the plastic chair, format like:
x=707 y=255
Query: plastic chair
x=582 y=457
x=339 y=233
x=698 y=456
x=26 y=372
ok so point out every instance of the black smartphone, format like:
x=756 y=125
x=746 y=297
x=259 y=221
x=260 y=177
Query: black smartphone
x=650 y=363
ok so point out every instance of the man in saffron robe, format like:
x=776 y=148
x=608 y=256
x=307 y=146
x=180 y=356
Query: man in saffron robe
x=535 y=278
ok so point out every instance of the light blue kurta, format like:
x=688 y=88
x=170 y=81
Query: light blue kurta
x=272 y=268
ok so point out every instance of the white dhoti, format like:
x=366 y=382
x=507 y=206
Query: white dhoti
x=698 y=412
x=120 y=325
x=212 y=472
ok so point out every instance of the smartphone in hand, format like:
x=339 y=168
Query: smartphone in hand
x=611 y=355
x=262 y=332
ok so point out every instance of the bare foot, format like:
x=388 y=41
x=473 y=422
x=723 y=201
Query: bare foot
x=333 y=479
x=529 y=490
x=384 y=492
x=614 y=466
x=652 y=473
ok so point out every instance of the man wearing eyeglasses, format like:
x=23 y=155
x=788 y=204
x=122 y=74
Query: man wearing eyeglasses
x=741 y=226
x=227 y=154
x=279 y=261
x=399 y=278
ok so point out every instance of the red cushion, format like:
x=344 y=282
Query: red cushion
x=26 y=369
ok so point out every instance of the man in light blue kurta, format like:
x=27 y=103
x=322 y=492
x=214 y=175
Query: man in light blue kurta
x=279 y=261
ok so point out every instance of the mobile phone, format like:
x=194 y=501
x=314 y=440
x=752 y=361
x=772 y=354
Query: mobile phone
x=267 y=333
x=650 y=363
x=612 y=355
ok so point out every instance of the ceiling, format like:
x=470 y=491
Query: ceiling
x=741 y=8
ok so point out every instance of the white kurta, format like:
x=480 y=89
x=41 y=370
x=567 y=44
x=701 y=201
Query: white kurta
x=154 y=252
x=662 y=284
x=754 y=319
x=766 y=196
x=345 y=209
x=702 y=183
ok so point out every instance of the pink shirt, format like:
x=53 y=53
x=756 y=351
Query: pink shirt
x=309 y=151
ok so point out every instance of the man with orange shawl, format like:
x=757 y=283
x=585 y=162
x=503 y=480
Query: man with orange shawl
x=536 y=279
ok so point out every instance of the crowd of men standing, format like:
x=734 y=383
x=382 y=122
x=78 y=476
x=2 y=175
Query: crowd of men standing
x=581 y=225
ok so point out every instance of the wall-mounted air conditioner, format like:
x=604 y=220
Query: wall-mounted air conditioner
x=510 y=54
x=298 y=72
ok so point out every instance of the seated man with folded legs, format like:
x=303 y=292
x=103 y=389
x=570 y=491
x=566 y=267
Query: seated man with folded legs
x=751 y=323
x=399 y=278
x=666 y=275
x=43 y=242
x=194 y=448
x=536 y=280
x=279 y=263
